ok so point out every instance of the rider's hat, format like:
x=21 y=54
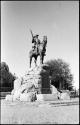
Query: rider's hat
x=36 y=35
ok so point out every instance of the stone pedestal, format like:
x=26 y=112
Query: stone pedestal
x=36 y=80
x=39 y=76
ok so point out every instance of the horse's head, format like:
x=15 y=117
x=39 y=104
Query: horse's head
x=42 y=47
x=44 y=38
x=44 y=41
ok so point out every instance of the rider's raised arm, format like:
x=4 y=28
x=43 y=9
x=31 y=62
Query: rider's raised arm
x=32 y=36
x=31 y=33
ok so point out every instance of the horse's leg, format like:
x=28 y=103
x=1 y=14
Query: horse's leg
x=41 y=59
x=35 y=61
x=30 y=61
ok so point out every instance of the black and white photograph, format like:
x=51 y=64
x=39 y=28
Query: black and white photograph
x=39 y=62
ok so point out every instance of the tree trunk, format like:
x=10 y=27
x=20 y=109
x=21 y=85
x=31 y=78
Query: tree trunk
x=60 y=86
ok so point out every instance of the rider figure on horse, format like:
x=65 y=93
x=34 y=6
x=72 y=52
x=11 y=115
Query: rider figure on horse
x=38 y=48
x=36 y=42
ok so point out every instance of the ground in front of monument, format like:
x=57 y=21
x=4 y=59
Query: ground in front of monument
x=46 y=112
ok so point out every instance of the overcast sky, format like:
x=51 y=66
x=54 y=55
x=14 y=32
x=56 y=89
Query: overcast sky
x=59 y=20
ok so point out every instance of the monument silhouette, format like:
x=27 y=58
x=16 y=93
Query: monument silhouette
x=35 y=83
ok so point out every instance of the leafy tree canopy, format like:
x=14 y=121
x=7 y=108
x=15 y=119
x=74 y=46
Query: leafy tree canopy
x=60 y=73
x=7 y=78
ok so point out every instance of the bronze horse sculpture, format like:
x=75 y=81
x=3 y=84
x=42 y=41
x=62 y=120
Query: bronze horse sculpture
x=40 y=51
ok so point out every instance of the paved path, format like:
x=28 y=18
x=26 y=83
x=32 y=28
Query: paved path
x=40 y=112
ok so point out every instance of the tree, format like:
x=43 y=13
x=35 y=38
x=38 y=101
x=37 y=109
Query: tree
x=61 y=76
x=7 y=78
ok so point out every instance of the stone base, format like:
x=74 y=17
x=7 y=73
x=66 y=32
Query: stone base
x=36 y=80
x=29 y=97
x=9 y=98
x=65 y=96
x=47 y=97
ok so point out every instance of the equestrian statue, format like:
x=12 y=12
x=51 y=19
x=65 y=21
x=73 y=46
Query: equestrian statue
x=38 y=49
